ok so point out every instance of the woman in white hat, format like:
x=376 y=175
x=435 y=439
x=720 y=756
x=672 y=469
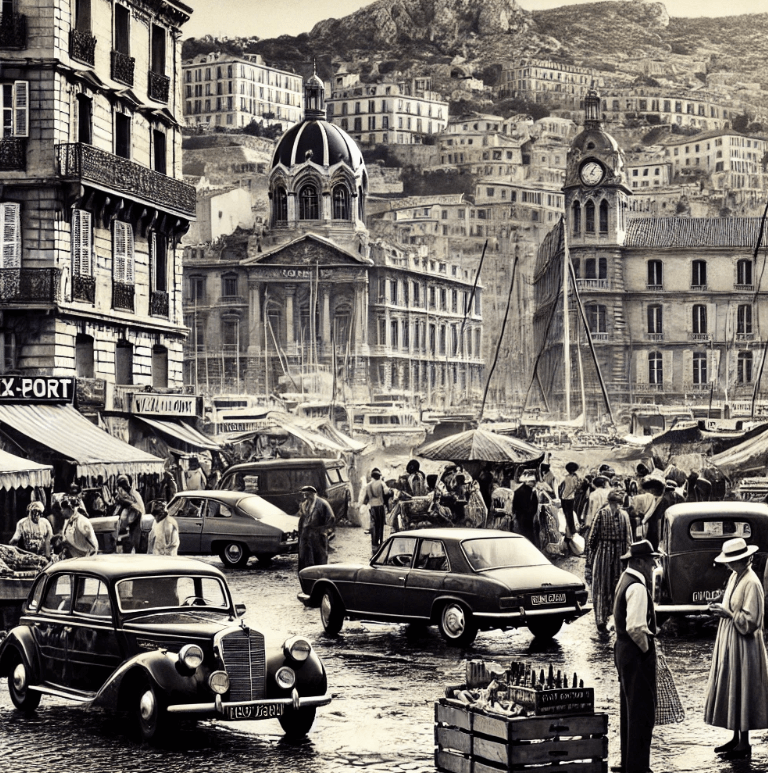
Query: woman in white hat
x=737 y=698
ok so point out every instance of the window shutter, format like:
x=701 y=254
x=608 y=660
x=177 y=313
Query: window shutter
x=10 y=216
x=119 y=252
x=668 y=364
x=712 y=319
x=153 y=260
x=129 y=257
x=714 y=365
x=687 y=366
x=82 y=243
x=21 y=109
x=641 y=367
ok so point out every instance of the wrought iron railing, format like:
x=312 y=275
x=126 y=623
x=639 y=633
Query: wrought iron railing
x=82 y=46
x=13 y=30
x=83 y=288
x=158 y=304
x=159 y=86
x=30 y=285
x=13 y=154
x=122 y=295
x=122 y=67
x=592 y=284
x=654 y=336
x=86 y=163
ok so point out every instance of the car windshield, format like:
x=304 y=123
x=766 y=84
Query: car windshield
x=500 y=552
x=172 y=591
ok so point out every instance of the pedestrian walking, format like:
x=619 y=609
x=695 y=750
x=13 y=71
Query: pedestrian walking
x=195 y=478
x=568 y=489
x=737 y=690
x=635 y=658
x=525 y=506
x=598 y=496
x=130 y=509
x=164 y=536
x=375 y=496
x=315 y=518
x=78 y=537
x=609 y=538
x=33 y=532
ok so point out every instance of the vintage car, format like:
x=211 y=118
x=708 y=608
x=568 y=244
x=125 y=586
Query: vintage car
x=687 y=578
x=229 y=524
x=462 y=580
x=157 y=637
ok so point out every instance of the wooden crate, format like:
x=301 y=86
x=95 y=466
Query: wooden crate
x=474 y=742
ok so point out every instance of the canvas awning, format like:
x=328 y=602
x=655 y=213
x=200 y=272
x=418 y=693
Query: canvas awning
x=68 y=433
x=182 y=431
x=16 y=472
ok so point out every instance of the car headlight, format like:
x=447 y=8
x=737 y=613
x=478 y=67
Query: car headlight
x=218 y=681
x=297 y=649
x=191 y=656
x=285 y=678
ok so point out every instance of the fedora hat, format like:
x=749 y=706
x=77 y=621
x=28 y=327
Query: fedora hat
x=571 y=467
x=641 y=549
x=653 y=484
x=734 y=550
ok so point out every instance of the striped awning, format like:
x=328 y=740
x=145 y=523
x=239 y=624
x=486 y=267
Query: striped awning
x=69 y=434
x=183 y=432
x=17 y=472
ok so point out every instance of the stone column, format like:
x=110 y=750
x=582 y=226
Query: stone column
x=290 y=345
x=292 y=214
x=255 y=322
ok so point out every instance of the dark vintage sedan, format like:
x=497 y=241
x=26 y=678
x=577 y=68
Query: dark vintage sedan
x=159 y=638
x=462 y=580
x=687 y=578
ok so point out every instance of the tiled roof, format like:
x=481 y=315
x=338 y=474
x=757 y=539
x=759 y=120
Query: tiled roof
x=693 y=232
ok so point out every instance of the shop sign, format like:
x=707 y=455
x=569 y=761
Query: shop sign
x=163 y=405
x=36 y=389
x=241 y=426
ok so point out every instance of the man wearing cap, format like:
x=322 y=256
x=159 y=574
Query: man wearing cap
x=375 y=496
x=315 y=518
x=34 y=533
x=635 y=657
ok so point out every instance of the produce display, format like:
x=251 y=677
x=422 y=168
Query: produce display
x=16 y=562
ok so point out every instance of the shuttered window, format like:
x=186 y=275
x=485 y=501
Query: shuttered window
x=15 y=109
x=82 y=243
x=10 y=218
x=158 y=247
x=122 y=253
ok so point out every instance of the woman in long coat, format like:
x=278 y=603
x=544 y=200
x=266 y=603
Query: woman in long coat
x=609 y=538
x=736 y=692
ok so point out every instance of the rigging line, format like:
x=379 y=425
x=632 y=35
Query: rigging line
x=501 y=336
x=535 y=373
x=471 y=300
x=757 y=250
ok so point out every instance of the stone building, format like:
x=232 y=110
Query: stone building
x=672 y=304
x=546 y=82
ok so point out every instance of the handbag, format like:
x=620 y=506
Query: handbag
x=669 y=708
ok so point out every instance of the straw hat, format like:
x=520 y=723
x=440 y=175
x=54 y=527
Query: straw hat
x=735 y=550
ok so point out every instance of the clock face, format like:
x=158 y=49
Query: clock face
x=591 y=173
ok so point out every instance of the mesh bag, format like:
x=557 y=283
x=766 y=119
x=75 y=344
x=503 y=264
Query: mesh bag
x=669 y=709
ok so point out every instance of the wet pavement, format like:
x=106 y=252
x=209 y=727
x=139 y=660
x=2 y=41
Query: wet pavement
x=385 y=680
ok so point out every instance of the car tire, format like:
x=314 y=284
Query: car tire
x=23 y=698
x=296 y=723
x=456 y=625
x=331 y=611
x=545 y=628
x=264 y=559
x=149 y=712
x=235 y=555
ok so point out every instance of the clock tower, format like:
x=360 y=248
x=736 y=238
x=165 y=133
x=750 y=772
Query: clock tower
x=596 y=192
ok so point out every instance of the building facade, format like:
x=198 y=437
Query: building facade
x=539 y=80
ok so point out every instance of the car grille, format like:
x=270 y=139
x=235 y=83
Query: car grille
x=245 y=663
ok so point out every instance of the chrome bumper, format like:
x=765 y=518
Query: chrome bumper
x=303 y=598
x=522 y=614
x=295 y=701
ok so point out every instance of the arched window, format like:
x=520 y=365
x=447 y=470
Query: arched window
x=744 y=272
x=655 y=319
x=655 y=274
x=576 y=218
x=699 y=274
x=744 y=368
x=699 y=319
x=308 y=209
x=589 y=217
x=655 y=368
x=340 y=203
x=603 y=217
x=280 y=205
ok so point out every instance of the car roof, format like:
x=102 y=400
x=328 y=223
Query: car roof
x=266 y=464
x=456 y=535
x=691 y=510
x=117 y=566
x=220 y=495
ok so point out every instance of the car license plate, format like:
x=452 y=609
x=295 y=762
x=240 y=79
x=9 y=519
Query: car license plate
x=545 y=599
x=254 y=712
x=705 y=596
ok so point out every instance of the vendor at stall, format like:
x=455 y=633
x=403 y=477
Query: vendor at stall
x=33 y=533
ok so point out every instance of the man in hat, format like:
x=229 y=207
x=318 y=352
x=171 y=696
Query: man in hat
x=34 y=533
x=315 y=518
x=635 y=657
x=525 y=505
x=376 y=493
x=568 y=489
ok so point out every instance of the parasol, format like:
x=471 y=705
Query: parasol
x=480 y=445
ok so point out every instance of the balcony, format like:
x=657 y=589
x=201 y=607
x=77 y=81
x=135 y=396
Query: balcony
x=82 y=46
x=691 y=387
x=592 y=284
x=13 y=30
x=13 y=154
x=158 y=304
x=654 y=288
x=30 y=285
x=83 y=288
x=122 y=67
x=159 y=86
x=86 y=164
x=744 y=288
x=654 y=336
x=648 y=388
x=699 y=336
x=122 y=296
x=599 y=336
x=699 y=288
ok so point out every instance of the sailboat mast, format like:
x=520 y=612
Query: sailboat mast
x=566 y=324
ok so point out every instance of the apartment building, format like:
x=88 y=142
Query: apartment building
x=548 y=82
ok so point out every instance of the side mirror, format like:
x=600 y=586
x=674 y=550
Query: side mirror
x=239 y=609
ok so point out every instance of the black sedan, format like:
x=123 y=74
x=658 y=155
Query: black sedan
x=462 y=580
x=159 y=638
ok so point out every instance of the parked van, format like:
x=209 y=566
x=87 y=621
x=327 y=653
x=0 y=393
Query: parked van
x=279 y=481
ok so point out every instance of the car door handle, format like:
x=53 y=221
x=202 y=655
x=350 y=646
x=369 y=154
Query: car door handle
x=401 y=578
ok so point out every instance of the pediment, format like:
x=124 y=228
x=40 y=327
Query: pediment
x=306 y=251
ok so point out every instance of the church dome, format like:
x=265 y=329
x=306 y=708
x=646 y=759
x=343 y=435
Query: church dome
x=319 y=141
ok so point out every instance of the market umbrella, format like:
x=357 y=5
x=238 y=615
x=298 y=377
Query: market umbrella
x=480 y=445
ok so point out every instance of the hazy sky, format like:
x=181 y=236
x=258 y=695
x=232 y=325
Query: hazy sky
x=270 y=18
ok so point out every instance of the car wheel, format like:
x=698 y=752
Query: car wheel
x=234 y=555
x=23 y=698
x=331 y=612
x=296 y=723
x=149 y=712
x=264 y=559
x=545 y=628
x=456 y=625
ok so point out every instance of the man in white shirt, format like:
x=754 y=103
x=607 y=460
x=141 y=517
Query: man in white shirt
x=376 y=493
x=635 y=657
